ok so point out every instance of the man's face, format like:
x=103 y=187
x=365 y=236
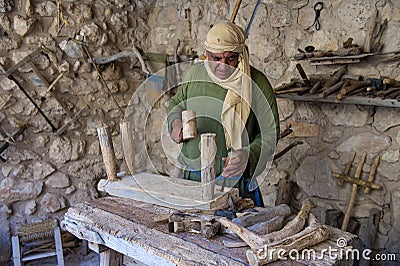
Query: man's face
x=223 y=64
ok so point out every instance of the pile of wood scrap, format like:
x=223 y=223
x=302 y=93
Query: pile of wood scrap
x=301 y=232
x=259 y=228
x=343 y=85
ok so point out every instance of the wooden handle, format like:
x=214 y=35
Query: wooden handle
x=235 y=11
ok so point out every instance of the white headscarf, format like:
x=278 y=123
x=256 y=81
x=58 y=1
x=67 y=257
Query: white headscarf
x=228 y=37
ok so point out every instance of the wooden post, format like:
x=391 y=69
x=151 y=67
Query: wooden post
x=107 y=149
x=208 y=150
x=111 y=258
x=127 y=146
x=189 y=128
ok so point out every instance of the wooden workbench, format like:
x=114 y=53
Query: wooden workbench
x=126 y=227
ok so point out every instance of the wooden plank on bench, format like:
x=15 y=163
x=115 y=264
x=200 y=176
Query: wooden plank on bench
x=161 y=190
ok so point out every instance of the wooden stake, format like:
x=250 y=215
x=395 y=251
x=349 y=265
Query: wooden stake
x=127 y=146
x=107 y=149
x=189 y=128
x=208 y=152
x=353 y=192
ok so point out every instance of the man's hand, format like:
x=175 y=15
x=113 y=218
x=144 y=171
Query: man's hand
x=237 y=165
x=176 y=133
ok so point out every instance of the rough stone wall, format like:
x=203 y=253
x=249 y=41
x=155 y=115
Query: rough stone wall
x=45 y=173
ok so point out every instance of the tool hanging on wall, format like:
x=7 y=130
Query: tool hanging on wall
x=9 y=74
x=50 y=88
x=317 y=8
x=84 y=46
x=357 y=181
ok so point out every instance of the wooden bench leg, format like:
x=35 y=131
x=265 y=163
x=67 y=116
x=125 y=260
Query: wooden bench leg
x=16 y=251
x=85 y=248
x=59 y=249
x=111 y=258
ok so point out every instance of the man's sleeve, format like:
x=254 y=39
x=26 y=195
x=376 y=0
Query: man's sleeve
x=176 y=105
x=262 y=148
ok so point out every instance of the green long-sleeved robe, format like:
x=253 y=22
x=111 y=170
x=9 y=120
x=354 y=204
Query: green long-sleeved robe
x=197 y=92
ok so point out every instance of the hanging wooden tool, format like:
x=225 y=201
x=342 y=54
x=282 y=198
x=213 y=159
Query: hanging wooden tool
x=357 y=181
x=10 y=73
x=108 y=90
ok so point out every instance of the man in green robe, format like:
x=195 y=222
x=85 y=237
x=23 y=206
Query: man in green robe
x=233 y=100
